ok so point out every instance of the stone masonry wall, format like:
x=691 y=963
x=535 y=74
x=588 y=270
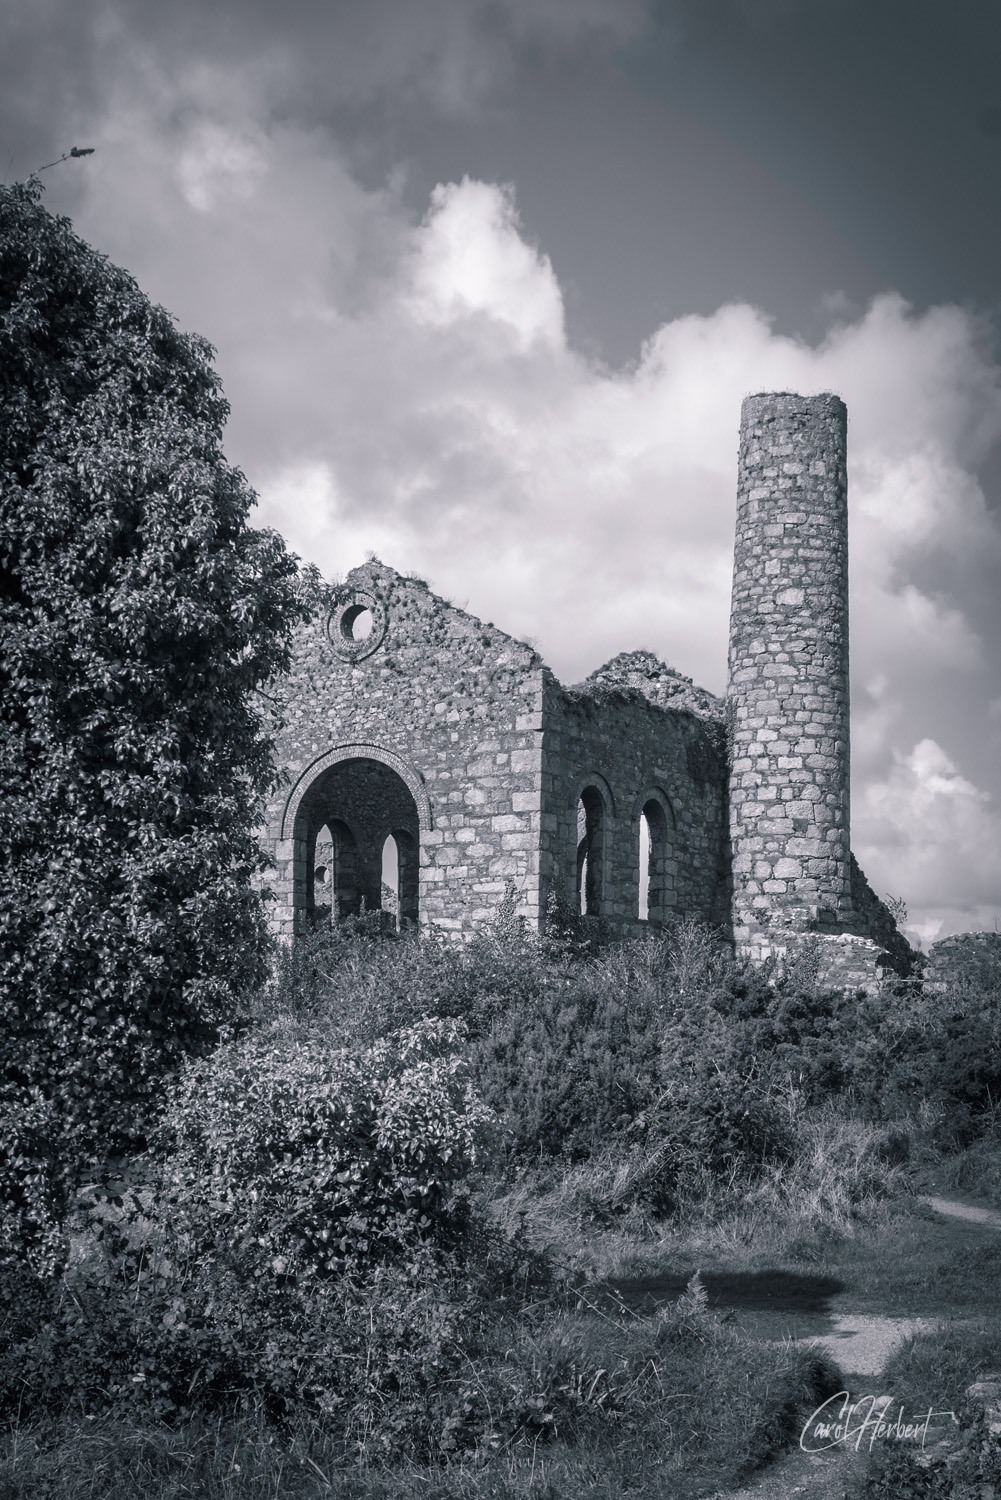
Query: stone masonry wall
x=457 y=705
x=965 y=960
x=609 y=734
x=788 y=672
x=435 y=723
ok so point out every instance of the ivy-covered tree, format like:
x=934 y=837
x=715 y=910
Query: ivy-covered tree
x=140 y=616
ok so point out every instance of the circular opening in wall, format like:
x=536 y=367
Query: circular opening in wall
x=357 y=623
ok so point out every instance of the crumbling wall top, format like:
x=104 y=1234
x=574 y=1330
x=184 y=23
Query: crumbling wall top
x=645 y=673
x=408 y=618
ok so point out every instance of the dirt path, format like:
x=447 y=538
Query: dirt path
x=969 y=1212
x=814 y=1476
x=861 y=1345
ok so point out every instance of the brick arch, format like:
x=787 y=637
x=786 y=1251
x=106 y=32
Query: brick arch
x=407 y=774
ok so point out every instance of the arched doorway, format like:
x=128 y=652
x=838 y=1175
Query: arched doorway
x=348 y=818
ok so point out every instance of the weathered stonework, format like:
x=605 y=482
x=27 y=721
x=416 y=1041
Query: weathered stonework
x=458 y=741
x=409 y=718
x=965 y=959
x=788 y=679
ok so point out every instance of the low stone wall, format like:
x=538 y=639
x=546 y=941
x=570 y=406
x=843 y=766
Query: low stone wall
x=965 y=958
x=843 y=960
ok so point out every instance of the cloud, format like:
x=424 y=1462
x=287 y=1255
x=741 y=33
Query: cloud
x=929 y=832
x=470 y=258
x=300 y=61
x=218 y=166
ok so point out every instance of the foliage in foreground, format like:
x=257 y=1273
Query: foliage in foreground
x=573 y=1407
x=655 y=1079
x=139 y=616
x=663 y=1058
x=303 y=1238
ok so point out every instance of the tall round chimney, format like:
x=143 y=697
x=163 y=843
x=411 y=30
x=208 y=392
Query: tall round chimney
x=788 y=672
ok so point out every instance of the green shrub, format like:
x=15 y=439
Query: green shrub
x=632 y=1055
x=321 y=1159
x=566 y=1064
x=667 y=1046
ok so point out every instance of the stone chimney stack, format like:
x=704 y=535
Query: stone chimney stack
x=788 y=674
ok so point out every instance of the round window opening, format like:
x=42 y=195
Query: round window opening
x=357 y=623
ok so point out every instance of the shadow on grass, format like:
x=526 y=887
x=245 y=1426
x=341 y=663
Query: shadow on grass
x=752 y=1291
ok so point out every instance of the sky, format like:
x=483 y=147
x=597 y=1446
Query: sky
x=488 y=280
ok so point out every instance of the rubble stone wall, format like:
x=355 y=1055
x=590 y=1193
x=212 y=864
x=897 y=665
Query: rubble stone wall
x=966 y=959
x=442 y=730
x=632 y=751
x=454 y=706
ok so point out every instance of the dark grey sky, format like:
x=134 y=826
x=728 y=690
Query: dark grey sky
x=775 y=150
x=779 y=153
x=488 y=278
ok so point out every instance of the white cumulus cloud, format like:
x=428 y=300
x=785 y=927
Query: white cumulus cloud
x=922 y=821
x=470 y=258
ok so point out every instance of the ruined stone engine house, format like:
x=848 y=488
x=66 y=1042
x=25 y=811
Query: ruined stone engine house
x=423 y=745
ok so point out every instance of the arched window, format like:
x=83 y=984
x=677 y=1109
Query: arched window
x=400 y=877
x=590 y=851
x=408 y=887
x=334 y=885
x=324 y=900
x=656 y=882
x=391 y=880
x=644 y=911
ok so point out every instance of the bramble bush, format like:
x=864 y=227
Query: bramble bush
x=668 y=1052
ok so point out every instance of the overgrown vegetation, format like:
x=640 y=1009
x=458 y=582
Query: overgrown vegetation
x=386 y=1223
x=139 y=617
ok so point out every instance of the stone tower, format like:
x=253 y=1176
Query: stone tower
x=788 y=674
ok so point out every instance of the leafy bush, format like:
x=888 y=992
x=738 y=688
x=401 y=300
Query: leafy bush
x=321 y=1160
x=666 y=1063
x=568 y=1062
x=307 y=1221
